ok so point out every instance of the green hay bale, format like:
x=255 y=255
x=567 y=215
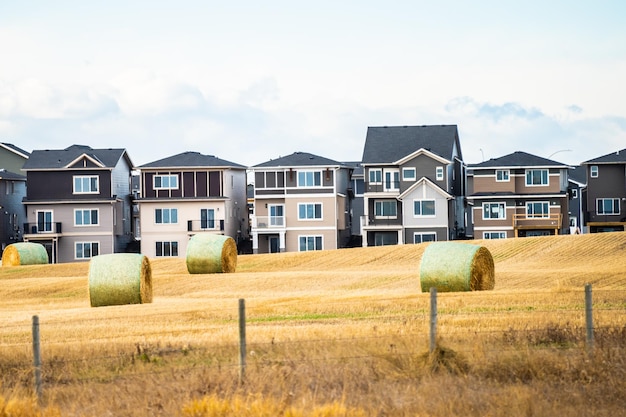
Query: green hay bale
x=120 y=278
x=24 y=253
x=209 y=254
x=450 y=266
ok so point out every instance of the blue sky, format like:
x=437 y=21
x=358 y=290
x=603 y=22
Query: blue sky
x=249 y=81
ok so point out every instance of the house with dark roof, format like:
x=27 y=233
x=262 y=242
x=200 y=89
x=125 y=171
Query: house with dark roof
x=415 y=183
x=606 y=192
x=577 y=194
x=301 y=203
x=78 y=202
x=518 y=195
x=12 y=191
x=186 y=194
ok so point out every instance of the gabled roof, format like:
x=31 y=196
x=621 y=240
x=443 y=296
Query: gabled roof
x=518 y=159
x=192 y=159
x=389 y=144
x=12 y=176
x=299 y=159
x=425 y=181
x=53 y=159
x=618 y=157
x=12 y=148
x=578 y=174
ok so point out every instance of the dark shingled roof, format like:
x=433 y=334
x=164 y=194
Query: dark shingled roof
x=388 y=144
x=191 y=159
x=618 y=157
x=518 y=159
x=8 y=175
x=578 y=174
x=59 y=158
x=299 y=159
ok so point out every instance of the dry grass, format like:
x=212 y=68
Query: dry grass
x=333 y=330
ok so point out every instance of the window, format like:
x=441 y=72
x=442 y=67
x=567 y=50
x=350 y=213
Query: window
x=408 y=174
x=86 y=217
x=502 y=175
x=593 y=169
x=392 y=180
x=385 y=208
x=423 y=208
x=86 y=184
x=207 y=218
x=424 y=237
x=574 y=193
x=376 y=176
x=165 y=216
x=494 y=211
x=308 y=243
x=166 y=182
x=608 y=205
x=439 y=173
x=309 y=178
x=166 y=248
x=539 y=209
x=86 y=250
x=308 y=211
x=44 y=221
x=536 y=177
x=276 y=215
x=494 y=235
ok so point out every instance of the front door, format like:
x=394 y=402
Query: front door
x=274 y=244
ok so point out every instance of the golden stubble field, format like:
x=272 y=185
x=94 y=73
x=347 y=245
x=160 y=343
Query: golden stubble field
x=340 y=332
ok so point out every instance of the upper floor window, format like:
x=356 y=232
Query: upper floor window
x=502 y=175
x=574 y=193
x=276 y=215
x=593 y=170
x=608 y=205
x=86 y=217
x=423 y=208
x=166 y=248
x=385 y=208
x=86 y=250
x=408 y=174
x=392 y=179
x=165 y=216
x=308 y=211
x=86 y=184
x=538 y=209
x=536 y=177
x=308 y=243
x=439 y=173
x=166 y=182
x=376 y=176
x=494 y=211
x=207 y=218
x=309 y=178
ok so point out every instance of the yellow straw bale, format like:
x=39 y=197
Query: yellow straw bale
x=452 y=266
x=120 y=278
x=24 y=253
x=209 y=254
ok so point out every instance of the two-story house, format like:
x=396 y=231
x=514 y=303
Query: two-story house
x=78 y=202
x=301 y=203
x=415 y=182
x=186 y=194
x=12 y=191
x=577 y=191
x=606 y=192
x=518 y=195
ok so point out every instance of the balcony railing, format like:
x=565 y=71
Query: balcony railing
x=380 y=221
x=388 y=187
x=268 y=222
x=530 y=221
x=41 y=228
x=205 y=225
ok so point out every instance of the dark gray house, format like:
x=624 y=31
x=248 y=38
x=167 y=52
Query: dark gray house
x=415 y=185
x=12 y=191
x=606 y=192
x=577 y=192
x=78 y=202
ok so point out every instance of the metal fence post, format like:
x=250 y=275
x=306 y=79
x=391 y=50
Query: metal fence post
x=242 y=339
x=37 y=359
x=433 y=319
x=589 y=315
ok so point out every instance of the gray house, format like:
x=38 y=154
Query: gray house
x=577 y=192
x=78 y=202
x=415 y=185
x=12 y=191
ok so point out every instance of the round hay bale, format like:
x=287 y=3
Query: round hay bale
x=209 y=254
x=120 y=278
x=450 y=266
x=24 y=253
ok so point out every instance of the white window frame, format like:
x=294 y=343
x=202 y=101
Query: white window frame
x=500 y=204
x=421 y=201
x=274 y=219
x=494 y=235
x=375 y=176
x=382 y=204
x=90 y=211
x=391 y=179
x=531 y=171
x=77 y=188
x=47 y=225
x=421 y=236
x=410 y=177
x=503 y=175
x=172 y=182
x=172 y=245
x=209 y=220
x=594 y=171
x=613 y=200
x=309 y=178
x=307 y=207
x=439 y=173
x=533 y=215
x=316 y=240
x=91 y=245
x=574 y=193
x=169 y=212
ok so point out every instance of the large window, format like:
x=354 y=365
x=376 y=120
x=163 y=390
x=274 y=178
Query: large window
x=308 y=243
x=86 y=250
x=536 y=177
x=309 y=178
x=165 y=216
x=207 y=218
x=166 y=182
x=385 y=209
x=309 y=211
x=276 y=216
x=608 y=205
x=423 y=208
x=494 y=211
x=503 y=175
x=408 y=174
x=376 y=176
x=44 y=221
x=538 y=209
x=86 y=217
x=392 y=179
x=86 y=184
x=494 y=235
x=166 y=248
x=424 y=237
